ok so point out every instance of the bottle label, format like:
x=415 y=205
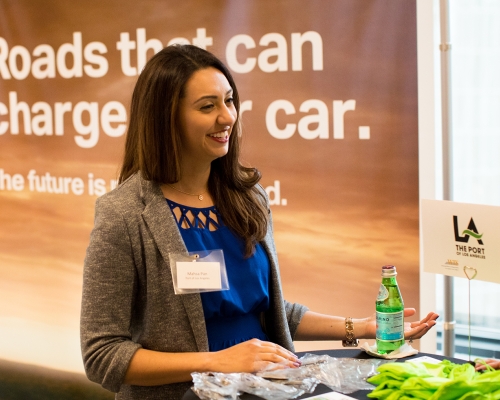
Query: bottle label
x=390 y=326
x=383 y=293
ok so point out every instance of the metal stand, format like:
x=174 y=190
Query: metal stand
x=445 y=48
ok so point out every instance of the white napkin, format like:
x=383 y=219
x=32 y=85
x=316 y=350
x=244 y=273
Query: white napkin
x=404 y=351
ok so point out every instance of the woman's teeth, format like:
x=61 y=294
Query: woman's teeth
x=219 y=135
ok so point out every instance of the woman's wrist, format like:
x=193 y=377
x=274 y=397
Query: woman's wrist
x=211 y=362
x=361 y=328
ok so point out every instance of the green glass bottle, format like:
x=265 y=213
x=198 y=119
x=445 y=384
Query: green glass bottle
x=389 y=313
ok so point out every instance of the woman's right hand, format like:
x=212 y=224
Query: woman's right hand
x=252 y=356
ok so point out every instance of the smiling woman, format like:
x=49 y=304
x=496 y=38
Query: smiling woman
x=183 y=194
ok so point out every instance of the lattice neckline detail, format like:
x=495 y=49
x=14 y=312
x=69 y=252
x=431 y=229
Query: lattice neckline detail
x=207 y=218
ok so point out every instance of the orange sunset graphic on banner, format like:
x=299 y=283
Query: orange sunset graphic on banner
x=329 y=116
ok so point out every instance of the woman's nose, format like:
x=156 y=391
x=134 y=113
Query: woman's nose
x=227 y=116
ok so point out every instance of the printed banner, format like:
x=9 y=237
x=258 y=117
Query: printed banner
x=329 y=112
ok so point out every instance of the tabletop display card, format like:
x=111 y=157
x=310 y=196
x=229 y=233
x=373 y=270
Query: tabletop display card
x=461 y=239
x=330 y=396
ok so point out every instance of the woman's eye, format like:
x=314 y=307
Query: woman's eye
x=230 y=100
x=207 y=107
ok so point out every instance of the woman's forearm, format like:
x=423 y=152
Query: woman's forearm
x=149 y=368
x=315 y=326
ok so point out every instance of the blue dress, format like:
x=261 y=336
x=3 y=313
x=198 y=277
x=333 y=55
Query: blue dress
x=231 y=316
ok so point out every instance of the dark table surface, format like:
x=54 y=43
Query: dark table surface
x=340 y=353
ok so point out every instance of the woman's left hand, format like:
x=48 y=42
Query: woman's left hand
x=413 y=330
x=417 y=329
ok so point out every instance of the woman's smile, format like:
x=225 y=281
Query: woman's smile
x=221 y=137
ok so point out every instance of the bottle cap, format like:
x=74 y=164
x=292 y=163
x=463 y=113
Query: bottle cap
x=388 y=271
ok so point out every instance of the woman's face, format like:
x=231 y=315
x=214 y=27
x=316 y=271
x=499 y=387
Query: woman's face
x=207 y=115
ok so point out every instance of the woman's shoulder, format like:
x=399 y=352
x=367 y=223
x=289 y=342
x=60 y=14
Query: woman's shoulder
x=122 y=192
x=133 y=193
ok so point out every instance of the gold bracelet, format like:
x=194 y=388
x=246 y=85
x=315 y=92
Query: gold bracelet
x=350 y=340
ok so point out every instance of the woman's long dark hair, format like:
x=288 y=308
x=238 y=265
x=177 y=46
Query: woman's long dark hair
x=153 y=143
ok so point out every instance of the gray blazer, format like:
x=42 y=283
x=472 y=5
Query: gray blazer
x=128 y=297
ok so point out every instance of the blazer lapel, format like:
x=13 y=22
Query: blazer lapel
x=167 y=237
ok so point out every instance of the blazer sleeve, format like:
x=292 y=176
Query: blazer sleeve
x=109 y=283
x=294 y=313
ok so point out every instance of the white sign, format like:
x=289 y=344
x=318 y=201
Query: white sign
x=198 y=275
x=426 y=359
x=330 y=396
x=461 y=240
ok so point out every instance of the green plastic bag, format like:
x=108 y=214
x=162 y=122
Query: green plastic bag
x=441 y=381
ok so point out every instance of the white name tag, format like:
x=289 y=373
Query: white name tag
x=198 y=275
x=198 y=271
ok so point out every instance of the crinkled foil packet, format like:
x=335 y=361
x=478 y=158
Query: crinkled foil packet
x=344 y=375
